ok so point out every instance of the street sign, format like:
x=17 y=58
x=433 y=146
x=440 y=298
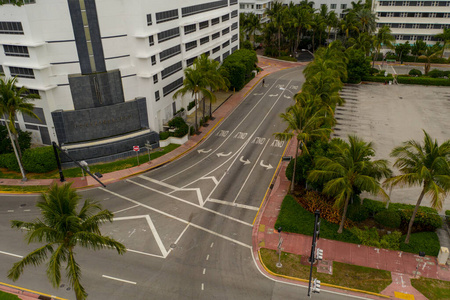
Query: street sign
x=136 y=148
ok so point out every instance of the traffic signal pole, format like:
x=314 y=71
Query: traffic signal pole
x=313 y=249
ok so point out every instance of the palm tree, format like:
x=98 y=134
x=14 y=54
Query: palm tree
x=301 y=18
x=276 y=15
x=445 y=37
x=304 y=124
x=332 y=21
x=349 y=170
x=383 y=37
x=326 y=86
x=195 y=83
x=15 y=100
x=430 y=53
x=418 y=48
x=426 y=165
x=367 y=20
x=61 y=229
x=209 y=68
x=252 y=24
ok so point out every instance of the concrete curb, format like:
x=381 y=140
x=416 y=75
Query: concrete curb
x=324 y=284
x=20 y=291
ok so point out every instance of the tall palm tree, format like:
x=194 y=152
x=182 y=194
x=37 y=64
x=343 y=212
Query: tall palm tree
x=418 y=48
x=303 y=124
x=195 y=83
x=367 y=20
x=349 y=170
x=61 y=228
x=332 y=21
x=430 y=53
x=276 y=14
x=383 y=37
x=300 y=18
x=426 y=165
x=209 y=68
x=252 y=24
x=14 y=100
x=445 y=37
x=326 y=86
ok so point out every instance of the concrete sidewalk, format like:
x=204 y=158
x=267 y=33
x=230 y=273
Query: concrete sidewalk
x=401 y=264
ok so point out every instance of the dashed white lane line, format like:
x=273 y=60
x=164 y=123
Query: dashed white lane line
x=207 y=257
x=212 y=245
x=11 y=254
x=203 y=286
x=118 y=279
x=27 y=210
x=233 y=204
x=204 y=271
x=11 y=210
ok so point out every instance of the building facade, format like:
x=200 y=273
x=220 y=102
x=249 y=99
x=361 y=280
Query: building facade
x=413 y=20
x=106 y=70
x=258 y=7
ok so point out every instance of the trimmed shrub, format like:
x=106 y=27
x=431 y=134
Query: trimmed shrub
x=374 y=71
x=373 y=206
x=304 y=165
x=378 y=78
x=415 y=72
x=287 y=58
x=427 y=242
x=357 y=212
x=181 y=127
x=424 y=81
x=39 y=160
x=192 y=130
x=435 y=73
x=238 y=66
x=391 y=241
x=388 y=218
x=9 y=161
x=191 y=105
x=358 y=65
x=164 y=135
x=425 y=219
x=370 y=237
x=5 y=142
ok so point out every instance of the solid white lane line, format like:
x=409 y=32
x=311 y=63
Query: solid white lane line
x=144 y=253
x=11 y=254
x=178 y=239
x=152 y=228
x=118 y=279
x=236 y=128
x=125 y=209
x=204 y=271
x=251 y=171
x=187 y=202
x=234 y=204
x=212 y=245
x=172 y=187
x=181 y=220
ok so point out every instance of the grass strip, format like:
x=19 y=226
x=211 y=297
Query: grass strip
x=433 y=289
x=345 y=275
x=24 y=189
x=7 y=296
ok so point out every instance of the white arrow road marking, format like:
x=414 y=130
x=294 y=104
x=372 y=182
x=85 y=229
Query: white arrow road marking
x=246 y=162
x=276 y=95
x=268 y=167
x=204 y=151
x=223 y=154
x=118 y=279
x=288 y=97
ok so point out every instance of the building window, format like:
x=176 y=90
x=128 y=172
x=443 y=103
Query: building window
x=217 y=58
x=226 y=30
x=217 y=49
x=225 y=55
x=343 y=6
x=226 y=44
x=190 y=28
x=204 y=40
x=168 y=34
x=191 y=45
x=21 y=72
x=153 y=60
x=206 y=53
x=234 y=38
x=233 y=2
x=190 y=61
x=149 y=19
x=156 y=95
x=1 y=70
x=199 y=8
x=172 y=86
x=151 y=40
x=234 y=49
x=234 y=26
x=171 y=70
x=225 y=17
x=216 y=35
x=333 y=6
x=155 y=78
x=215 y=21
x=204 y=24
x=12 y=50
x=241 y=6
x=234 y=14
x=11 y=28
x=167 y=15
x=168 y=53
x=258 y=6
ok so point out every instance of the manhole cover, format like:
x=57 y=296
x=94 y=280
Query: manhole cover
x=173 y=246
x=68 y=289
x=23 y=205
x=62 y=285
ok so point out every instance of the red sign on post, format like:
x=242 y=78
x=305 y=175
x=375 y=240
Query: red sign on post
x=136 y=148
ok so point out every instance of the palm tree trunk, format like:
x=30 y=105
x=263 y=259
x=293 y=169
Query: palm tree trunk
x=196 y=110
x=411 y=222
x=279 y=41
x=19 y=161
x=16 y=140
x=375 y=57
x=295 y=165
x=344 y=215
x=204 y=108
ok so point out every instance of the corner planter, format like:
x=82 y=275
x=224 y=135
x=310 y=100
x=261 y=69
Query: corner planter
x=173 y=140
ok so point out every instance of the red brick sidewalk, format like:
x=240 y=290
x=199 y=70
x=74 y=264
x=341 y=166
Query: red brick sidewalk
x=401 y=264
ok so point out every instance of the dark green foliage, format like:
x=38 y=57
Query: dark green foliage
x=427 y=242
x=373 y=206
x=181 y=127
x=447 y=216
x=192 y=130
x=271 y=51
x=426 y=219
x=9 y=161
x=378 y=78
x=239 y=66
x=247 y=45
x=436 y=73
x=357 y=212
x=370 y=237
x=287 y=58
x=164 y=135
x=389 y=218
x=39 y=160
x=13 y=2
x=304 y=165
x=415 y=72
x=294 y=218
x=374 y=71
x=236 y=75
x=191 y=105
x=5 y=142
x=358 y=65
x=411 y=80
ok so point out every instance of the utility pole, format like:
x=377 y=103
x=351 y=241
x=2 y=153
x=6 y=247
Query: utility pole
x=315 y=288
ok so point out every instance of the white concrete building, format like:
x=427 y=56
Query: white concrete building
x=258 y=7
x=62 y=50
x=413 y=20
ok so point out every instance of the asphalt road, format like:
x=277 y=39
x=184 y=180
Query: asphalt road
x=187 y=226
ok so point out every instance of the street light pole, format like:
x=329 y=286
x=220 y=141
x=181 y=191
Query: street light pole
x=280 y=241
x=313 y=249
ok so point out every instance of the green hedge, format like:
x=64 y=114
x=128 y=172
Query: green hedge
x=357 y=212
x=427 y=242
x=9 y=162
x=378 y=78
x=389 y=218
x=287 y=58
x=294 y=218
x=36 y=160
x=423 y=81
